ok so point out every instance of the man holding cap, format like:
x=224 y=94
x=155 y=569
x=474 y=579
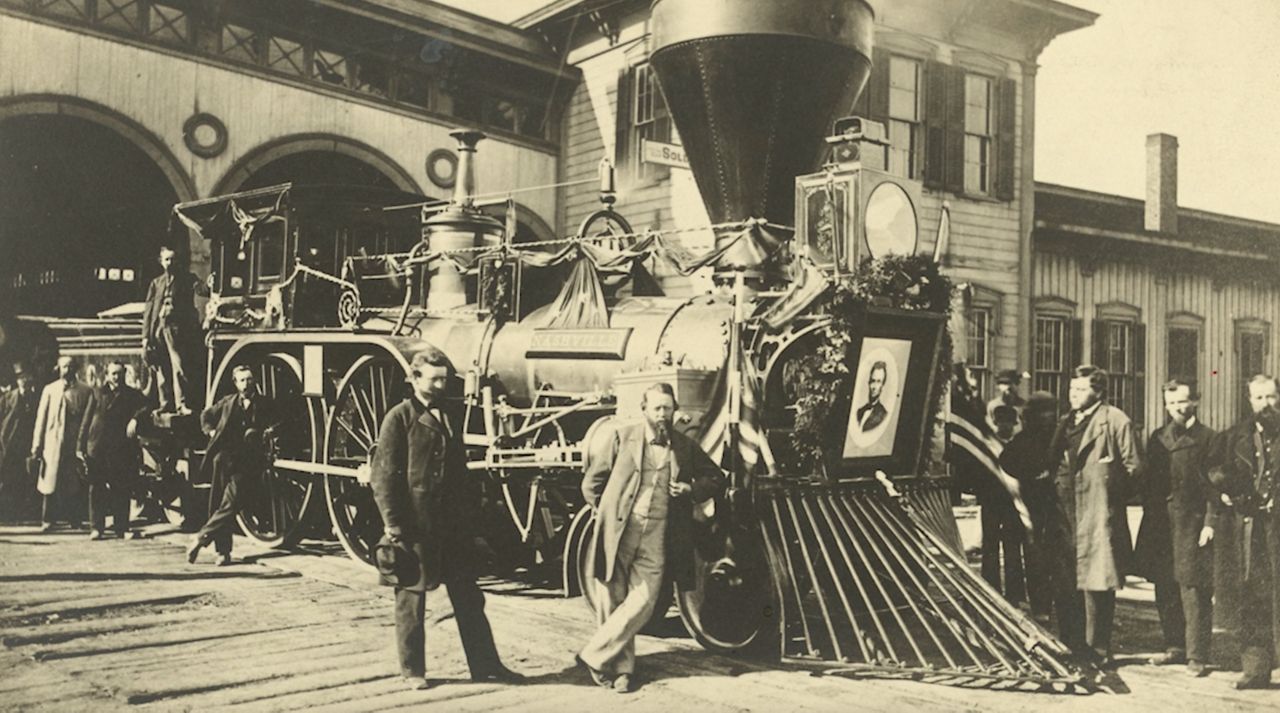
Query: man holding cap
x=429 y=504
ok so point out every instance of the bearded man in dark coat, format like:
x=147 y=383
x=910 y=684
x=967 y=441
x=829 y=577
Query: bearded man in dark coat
x=429 y=504
x=1244 y=464
x=1027 y=457
x=110 y=452
x=1096 y=457
x=17 y=423
x=1179 y=510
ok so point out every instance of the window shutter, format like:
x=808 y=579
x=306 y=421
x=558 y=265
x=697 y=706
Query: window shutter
x=953 y=145
x=877 y=91
x=935 y=122
x=1006 y=134
x=1139 y=376
x=623 y=159
x=1099 y=352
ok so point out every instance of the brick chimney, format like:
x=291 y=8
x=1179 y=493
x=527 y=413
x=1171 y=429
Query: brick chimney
x=1162 y=183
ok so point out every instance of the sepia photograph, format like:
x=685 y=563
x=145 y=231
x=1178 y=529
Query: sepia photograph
x=571 y=355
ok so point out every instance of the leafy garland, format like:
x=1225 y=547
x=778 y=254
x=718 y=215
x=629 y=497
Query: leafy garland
x=909 y=282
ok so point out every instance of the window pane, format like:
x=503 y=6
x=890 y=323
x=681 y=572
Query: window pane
x=239 y=43
x=976 y=157
x=286 y=56
x=329 y=67
x=119 y=14
x=168 y=24
x=977 y=101
x=270 y=248
x=373 y=77
x=1184 y=354
x=74 y=9
x=902 y=148
x=415 y=89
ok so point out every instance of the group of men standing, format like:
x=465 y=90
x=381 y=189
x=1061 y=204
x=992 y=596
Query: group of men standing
x=1078 y=473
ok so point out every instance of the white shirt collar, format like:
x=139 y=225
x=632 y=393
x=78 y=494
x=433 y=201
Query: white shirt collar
x=1082 y=415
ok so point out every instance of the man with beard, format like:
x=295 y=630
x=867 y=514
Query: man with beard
x=111 y=455
x=17 y=423
x=171 y=332
x=1095 y=457
x=643 y=485
x=429 y=504
x=240 y=428
x=1027 y=458
x=873 y=413
x=1244 y=463
x=53 y=441
x=1178 y=514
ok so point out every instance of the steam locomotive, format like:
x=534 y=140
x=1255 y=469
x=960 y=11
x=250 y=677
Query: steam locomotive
x=850 y=561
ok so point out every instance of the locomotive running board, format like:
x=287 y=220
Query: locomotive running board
x=867 y=584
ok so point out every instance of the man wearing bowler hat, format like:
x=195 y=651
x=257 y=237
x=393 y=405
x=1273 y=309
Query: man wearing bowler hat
x=429 y=504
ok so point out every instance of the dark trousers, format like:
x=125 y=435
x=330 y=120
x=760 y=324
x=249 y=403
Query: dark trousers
x=110 y=493
x=224 y=504
x=1197 y=605
x=473 y=628
x=1173 y=622
x=1258 y=612
x=1085 y=620
x=1002 y=533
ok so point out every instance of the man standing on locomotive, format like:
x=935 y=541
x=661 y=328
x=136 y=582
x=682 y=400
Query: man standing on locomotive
x=171 y=332
x=643 y=489
x=240 y=428
x=62 y=406
x=429 y=504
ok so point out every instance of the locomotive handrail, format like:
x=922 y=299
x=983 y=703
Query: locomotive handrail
x=557 y=414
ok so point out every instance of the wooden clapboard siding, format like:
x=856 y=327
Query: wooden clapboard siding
x=1159 y=293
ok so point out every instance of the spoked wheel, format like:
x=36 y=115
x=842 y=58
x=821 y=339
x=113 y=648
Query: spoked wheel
x=276 y=504
x=727 y=613
x=366 y=393
x=576 y=560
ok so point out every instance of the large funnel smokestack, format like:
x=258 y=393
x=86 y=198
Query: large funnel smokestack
x=753 y=87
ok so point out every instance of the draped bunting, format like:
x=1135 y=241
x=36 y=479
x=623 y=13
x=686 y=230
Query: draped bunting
x=216 y=214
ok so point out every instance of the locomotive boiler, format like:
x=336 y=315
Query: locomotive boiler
x=834 y=546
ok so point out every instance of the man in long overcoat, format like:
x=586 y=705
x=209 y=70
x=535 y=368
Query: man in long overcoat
x=643 y=487
x=57 y=430
x=171 y=333
x=429 y=505
x=240 y=427
x=112 y=456
x=1096 y=457
x=1179 y=509
x=1244 y=464
x=17 y=423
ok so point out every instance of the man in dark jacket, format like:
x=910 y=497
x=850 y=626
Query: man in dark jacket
x=109 y=452
x=240 y=428
x=643 y=486
x=1178 y=514
x=429 y=505
x=1027 y=458
x=1244 y=463
x=17 y=423
x=1096 y=456
x=171 y=332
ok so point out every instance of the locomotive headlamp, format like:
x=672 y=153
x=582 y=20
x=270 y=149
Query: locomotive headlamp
x=889 y=221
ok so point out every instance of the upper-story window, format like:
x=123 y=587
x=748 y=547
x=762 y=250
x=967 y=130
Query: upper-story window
x=904 y=116
x=239 y=43
x=169 y=24
x=977 y=134
x=650 y=120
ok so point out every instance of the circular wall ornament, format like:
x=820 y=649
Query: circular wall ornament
x=442 y=167
x=205 y=135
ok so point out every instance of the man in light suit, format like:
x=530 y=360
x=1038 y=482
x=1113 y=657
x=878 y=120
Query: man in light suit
x=643 y=487
x=58 y=417
x=1096 y=457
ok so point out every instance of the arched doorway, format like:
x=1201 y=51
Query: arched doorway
x=316 y=159
x=84 y=208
